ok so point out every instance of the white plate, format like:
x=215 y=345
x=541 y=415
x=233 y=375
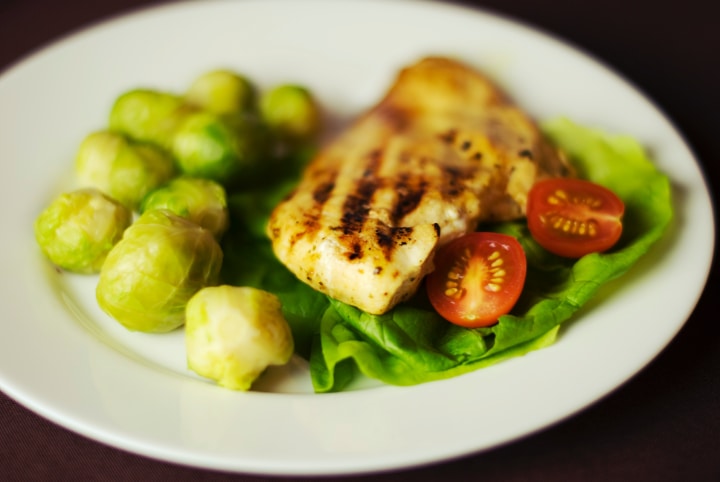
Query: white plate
x=61 y=357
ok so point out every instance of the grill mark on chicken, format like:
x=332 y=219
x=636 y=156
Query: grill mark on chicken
x=322 y=192
x=453 y=181
x=526 y=153
x=357 y=204
x=355 y=252
x=389 y=238
x=356 y=207
x=448 y=137
x=311 y=218
x=409 y=196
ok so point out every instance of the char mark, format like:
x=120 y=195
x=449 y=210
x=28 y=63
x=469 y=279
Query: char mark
x=449 y=136
x=389 y=238
x=322 y=192
x=356 y=252
x=454 y=180
x=309 y=225
x=526 y=153
x=357 y=208
x=374 y=158
x=409 y=197
x=357 y=204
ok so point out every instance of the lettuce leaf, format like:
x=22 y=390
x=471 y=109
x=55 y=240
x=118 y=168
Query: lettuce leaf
x=412 y=344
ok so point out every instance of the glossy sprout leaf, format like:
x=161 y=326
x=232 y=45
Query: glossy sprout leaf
x=159 y=264
x=222 y=92
x=78 y=229
x=233 y=334
x=123 y=169
x=146 y=115
x=201 y=201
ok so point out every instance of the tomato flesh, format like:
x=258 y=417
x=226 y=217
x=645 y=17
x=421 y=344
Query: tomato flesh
x=573 y=217
x=477 y=278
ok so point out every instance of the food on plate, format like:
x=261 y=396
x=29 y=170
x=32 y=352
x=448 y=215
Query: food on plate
x=147 y=115
x=123 y=169
x=443 y=151
x=151 y=273
x=323 y=252
x=221 y=148
x=477 y=278
x=412 y=343
x=78 y=229
x=232 y=334
x=170 y=158
x=222 y=128
x=291 y=112
x=574 y=217
x=202 y=201
x=167 y=156
x=222 y=92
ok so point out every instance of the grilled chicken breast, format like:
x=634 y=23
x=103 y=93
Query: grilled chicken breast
x=443 y=151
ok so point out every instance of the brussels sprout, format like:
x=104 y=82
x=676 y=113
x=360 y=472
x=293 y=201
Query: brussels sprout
x=124 y=170
x=202 y=201
x=147 y=115
x=78 y=229
x=291 y=112
x=216 y=147
x=221 y=92
x=149 y=276
x=233 y=334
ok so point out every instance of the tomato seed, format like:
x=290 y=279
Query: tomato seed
x=493 y=287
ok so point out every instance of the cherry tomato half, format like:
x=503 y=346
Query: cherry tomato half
x=572 y=217
x=478 y=277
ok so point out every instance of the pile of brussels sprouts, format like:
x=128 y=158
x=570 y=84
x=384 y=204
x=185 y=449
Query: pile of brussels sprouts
x=151 y=208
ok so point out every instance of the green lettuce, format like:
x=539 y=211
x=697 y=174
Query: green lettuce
x=412 y=344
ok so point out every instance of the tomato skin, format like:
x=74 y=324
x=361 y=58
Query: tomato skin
x=573 y=217
x=477 y=278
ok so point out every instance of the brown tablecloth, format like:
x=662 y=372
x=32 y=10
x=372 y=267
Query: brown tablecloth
x=662 y=425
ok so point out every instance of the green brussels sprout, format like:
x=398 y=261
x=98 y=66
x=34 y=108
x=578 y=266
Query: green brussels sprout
x=78 y=229
x=221 y=92
x=220 y=148
x=124 y=170
x=147 y=115
x=291 y=112
x=202 y=201
x=149 y=276
x=232 y=334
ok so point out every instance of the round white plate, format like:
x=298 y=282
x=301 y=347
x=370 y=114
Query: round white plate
x=64 y=359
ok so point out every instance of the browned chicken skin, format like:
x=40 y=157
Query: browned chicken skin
x=442 y=152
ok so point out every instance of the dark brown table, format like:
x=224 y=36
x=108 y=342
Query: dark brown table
x=664 y=425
